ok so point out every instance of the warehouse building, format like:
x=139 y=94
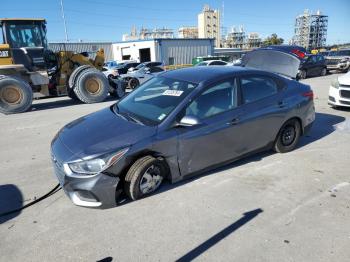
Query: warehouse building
x=79 y=47
x=174 y=51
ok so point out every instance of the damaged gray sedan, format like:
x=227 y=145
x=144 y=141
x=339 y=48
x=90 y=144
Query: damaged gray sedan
x=181 y=123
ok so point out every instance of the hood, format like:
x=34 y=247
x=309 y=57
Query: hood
x=344 y=79
x=274 y=61
x=102 y=132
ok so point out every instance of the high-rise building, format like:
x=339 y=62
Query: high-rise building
x=209 y=24
x=253 y=40
x=310 y=30
x=236 y=38
x=188 y=32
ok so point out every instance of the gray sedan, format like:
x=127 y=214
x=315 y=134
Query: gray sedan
x=181 y=123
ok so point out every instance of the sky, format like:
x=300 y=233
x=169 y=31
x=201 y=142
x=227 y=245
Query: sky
x=108 y=20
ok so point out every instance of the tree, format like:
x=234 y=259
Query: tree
x=273 y=40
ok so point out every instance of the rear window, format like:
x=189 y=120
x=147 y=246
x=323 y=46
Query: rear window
x=257 y=87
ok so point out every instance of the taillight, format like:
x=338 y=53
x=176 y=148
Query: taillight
x=309 y=94
x=299 y=53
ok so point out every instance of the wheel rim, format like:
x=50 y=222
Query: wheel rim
x=11 y=95
x=151 y=179
x=288 y=135
x=93 y=86
x=324 y=72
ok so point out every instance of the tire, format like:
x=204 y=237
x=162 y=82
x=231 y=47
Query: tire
x=323 y=72
x=91 y=86
x=137 y=176
x=302 y=74
x=73 y=77
x=16 y=96
x=133 y=83
x=286 y=142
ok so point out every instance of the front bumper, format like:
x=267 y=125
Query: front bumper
x=339 y=96
x=95 y=191
x=339 y=66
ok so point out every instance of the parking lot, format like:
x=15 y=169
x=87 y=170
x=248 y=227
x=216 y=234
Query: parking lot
x=268 y=207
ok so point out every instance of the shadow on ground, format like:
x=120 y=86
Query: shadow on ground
x=10 y=199
x=47 y=103
x=322 y=127
x=247 y=217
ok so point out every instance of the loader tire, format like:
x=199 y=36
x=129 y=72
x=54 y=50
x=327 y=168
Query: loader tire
x=16 y=96
x=91 y=86
x=73 y=77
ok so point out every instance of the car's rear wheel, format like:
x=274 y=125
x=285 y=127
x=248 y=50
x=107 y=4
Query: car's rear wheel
x=288 y=136
x=144 y=177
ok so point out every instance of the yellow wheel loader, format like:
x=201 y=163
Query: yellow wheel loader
x=29 y=69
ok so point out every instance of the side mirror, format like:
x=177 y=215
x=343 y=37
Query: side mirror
x=147 y=70
x=189 y=121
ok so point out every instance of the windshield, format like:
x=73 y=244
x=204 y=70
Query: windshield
x=31 y=34
x=153 y=101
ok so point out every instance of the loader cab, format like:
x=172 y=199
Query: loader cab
x=27 y=41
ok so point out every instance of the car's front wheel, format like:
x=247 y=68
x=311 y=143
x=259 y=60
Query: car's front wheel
x=144 y=177
x=288 y=136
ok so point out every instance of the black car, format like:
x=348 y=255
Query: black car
x=312 y=65
x=123 y=69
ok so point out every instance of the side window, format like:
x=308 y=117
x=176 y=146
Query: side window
x=314 y=59
x=320 y=58
x=1 y=37
x=257 y=87
x=217 y=99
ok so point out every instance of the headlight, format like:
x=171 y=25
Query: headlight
x=335 y=83
x=96 y=165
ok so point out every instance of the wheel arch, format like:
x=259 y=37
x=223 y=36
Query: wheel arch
x=292 y=118
x=132 y=159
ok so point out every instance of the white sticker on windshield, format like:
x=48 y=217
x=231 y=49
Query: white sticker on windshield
x=172 y=93
x=161 y=116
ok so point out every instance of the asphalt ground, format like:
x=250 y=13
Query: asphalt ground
x=268 y=207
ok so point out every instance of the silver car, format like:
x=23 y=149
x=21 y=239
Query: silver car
x=136 y=78
x=181 y=123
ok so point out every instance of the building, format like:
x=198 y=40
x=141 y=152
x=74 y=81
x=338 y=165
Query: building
x=176 y=51
x=236 y=38
x=132 y=36
x=146 y=33
x=188 y=32
x=253 y=41
x=156 y=33
x=310 y=30
x=89 y=47
x=209 y=24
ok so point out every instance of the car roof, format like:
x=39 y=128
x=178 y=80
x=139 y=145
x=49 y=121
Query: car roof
x=200 y=74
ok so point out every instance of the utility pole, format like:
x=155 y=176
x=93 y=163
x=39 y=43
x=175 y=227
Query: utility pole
x=64 y=21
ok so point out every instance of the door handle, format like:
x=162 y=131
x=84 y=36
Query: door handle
x=234 y=121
